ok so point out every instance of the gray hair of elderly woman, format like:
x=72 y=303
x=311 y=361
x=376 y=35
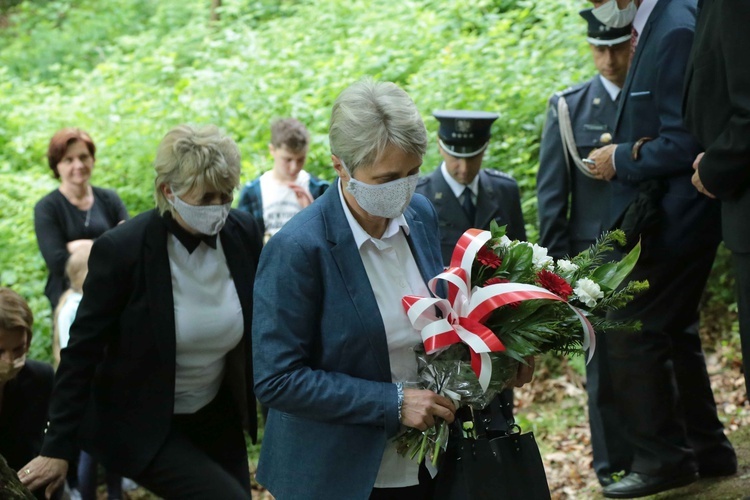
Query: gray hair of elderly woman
x=195 y=157
x=368 y=117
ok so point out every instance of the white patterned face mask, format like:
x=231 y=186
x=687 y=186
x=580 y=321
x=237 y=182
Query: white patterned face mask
x=609 y=14
x=206 y=219
x=388 y=200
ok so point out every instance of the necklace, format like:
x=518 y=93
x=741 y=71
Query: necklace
x=88 y=218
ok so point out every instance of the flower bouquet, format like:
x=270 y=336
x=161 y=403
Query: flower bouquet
x=507 y=300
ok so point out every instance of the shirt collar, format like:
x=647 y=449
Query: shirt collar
x=360 y=235
x=457 y=187
x=188 y=240
x=641 y=17
x=612 y=89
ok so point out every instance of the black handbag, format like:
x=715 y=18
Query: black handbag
x=481 y=465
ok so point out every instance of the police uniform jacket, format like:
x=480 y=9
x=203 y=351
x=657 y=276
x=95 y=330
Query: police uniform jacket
x=498 y=199
x=570 y=204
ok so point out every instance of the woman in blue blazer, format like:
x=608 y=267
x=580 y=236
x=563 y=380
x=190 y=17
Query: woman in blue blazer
x=156 y=381
x=332 y=345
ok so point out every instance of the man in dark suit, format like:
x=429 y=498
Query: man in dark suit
x=571 y=202
x=659 y=372
x=717 y=112
x=463 y=194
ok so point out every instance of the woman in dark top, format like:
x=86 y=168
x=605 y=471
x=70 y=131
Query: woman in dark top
x=25 y=385
x=76 y=213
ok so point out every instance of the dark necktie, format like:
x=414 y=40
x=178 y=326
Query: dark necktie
x=468 y=205
x=633 y=42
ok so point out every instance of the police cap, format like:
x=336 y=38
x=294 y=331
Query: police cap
x=601 y=34
x=462 y=133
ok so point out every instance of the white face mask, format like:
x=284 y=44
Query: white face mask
x=610 y=14
x=9 y=369
x=206 y=219
x=387 y=200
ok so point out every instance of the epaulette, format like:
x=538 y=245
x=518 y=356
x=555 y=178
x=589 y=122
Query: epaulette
x=498 y=173
x=571 y=90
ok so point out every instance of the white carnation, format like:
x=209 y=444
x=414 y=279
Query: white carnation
x=540 y=258
x=566 y=266
x=588 y=291
x=504 y=242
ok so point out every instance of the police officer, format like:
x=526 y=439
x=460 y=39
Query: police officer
x=465 y=195
x=570 y=201
x=572 y=205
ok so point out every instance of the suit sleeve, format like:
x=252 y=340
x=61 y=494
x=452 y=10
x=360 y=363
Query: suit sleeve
x=553 y=187
x=673 y=150
x=105 y=293
x=287 y=305
x=725 y=168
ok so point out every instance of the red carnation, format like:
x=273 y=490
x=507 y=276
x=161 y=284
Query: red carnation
x=488 y=258
x=554 y=283
x=495 y=281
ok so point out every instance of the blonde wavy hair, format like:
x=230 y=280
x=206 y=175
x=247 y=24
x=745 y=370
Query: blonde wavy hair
x=195 y=157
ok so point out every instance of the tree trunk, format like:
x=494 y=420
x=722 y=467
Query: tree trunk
x=10 y=487
x=215 y=4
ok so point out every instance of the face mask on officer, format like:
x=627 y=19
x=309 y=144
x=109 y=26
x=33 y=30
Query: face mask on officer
x=609 y=14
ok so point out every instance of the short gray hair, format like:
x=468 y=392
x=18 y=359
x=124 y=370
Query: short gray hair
x=368 y=117
x=201 y=157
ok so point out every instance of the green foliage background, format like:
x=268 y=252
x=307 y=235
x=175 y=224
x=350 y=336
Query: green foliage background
x=129 y=70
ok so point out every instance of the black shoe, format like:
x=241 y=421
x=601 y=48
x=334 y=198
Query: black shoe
x=719 y=470
x=636 y=485
x=728 y=468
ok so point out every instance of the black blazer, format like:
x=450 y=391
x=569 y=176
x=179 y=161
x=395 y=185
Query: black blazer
x=717 y=111
x=114 y=390
x=23 y=416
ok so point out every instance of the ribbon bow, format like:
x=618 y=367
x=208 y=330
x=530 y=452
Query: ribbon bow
x=463 y=312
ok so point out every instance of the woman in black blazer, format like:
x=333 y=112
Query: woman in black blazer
x=156 y=382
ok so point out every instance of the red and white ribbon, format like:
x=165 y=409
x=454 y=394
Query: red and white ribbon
x=464 y=311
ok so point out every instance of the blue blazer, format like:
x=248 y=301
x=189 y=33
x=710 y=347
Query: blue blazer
x=651 y=106
x=320 y=353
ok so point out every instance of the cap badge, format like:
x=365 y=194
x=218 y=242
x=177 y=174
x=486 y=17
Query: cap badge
x=463 y=126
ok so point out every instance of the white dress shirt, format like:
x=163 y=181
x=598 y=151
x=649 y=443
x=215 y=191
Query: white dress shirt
x=457 y=188
x=393 y=273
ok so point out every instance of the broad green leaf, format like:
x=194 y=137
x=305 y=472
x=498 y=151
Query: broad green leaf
x=612 y=274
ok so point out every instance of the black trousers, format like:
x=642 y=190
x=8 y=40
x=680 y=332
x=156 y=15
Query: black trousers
x=611 y=450
x=741 y=264
x=659 y=376
x=204 y=456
